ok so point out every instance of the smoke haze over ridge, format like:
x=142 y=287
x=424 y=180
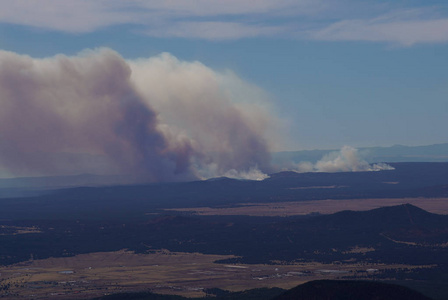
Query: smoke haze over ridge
x=346 y=160
x=158 y=119
x=152 y=119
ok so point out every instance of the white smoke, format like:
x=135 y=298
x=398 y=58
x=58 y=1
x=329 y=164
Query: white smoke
x=252 y=174
x=155 y=119
x=346 y=160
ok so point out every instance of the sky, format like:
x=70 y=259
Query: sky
x=330 y=73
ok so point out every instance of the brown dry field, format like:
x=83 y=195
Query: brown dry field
x=187 y=274
x=285 y=209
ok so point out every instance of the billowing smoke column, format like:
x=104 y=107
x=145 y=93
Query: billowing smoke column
x=346 y=160
x=156 y=119
x=224 y=119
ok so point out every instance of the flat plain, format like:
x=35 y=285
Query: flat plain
x=287 y=209
x=96 y=274
x=234 y=235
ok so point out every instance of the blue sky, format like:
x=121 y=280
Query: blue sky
x=359 y=73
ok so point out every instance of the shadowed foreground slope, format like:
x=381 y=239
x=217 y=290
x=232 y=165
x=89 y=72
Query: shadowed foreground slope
x=350 y=290
x=313 y=290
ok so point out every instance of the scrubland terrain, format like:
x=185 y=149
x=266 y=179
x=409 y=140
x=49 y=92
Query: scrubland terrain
x=187 y=274
x=286 y=209
x=186 y=238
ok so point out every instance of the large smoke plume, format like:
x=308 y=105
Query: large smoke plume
x=155 y=119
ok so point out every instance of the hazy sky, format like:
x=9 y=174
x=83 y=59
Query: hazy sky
x=340 y=72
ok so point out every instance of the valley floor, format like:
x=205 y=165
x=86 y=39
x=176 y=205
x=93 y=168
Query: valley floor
x=188 y=274
x=287 y=209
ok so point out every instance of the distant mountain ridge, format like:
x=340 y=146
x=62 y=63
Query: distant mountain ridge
x=27 y=186
x=406 y=180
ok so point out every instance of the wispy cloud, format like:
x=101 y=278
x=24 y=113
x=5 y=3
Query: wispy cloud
x=67 y=16
x=213 y=30
x=336 y=20
x=404 y=28
x=89 y=15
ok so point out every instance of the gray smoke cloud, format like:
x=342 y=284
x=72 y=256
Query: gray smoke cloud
x=346 y=160
x=156 y=119
x=225 y=119
x=153 y=119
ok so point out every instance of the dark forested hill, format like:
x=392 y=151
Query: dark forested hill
x=401 y=234
x=407 y=180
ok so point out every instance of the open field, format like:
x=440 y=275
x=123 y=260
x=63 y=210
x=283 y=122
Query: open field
x=95 y=274
x=434 y=205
